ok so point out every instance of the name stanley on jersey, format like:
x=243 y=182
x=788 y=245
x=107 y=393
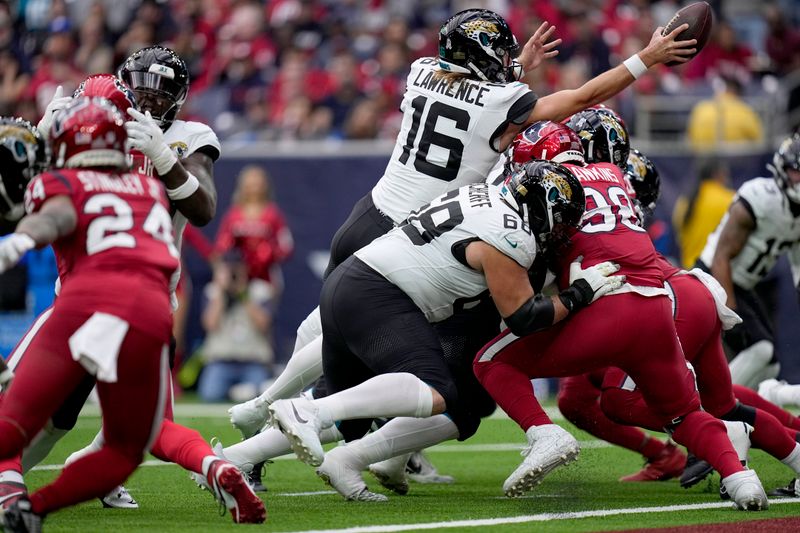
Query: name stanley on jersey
x=125 y=183
x=462 y=90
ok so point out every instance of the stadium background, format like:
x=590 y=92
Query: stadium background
x=310 y=90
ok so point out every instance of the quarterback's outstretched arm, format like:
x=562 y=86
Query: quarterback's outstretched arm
x=560 y=105
x=189 y=183
x=732 y=239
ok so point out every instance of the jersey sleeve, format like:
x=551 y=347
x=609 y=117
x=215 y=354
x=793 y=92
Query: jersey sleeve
x=504 y=231
x=514 y=102
x=46 y=186
x=201 y=138
x=759 y=197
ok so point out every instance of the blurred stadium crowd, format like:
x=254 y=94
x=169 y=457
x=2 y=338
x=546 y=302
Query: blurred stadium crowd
x=317 y=69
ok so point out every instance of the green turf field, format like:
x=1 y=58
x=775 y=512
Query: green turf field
x=171 y=502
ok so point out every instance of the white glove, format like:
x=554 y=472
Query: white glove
x=58 y=103
x=12 y=248
x=145 y=135
x=598 y=278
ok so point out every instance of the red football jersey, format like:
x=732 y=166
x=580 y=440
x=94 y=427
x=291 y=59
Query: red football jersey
x=666 y=267
x=264 y=240
x=609 y=228
x=122 y=246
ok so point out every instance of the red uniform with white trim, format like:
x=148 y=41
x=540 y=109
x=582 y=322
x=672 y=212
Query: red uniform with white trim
x=111 y=320
x=631 y=329
x=699 y=328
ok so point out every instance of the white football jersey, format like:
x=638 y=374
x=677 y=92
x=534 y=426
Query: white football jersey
x=425 y=257
x=777 y=231
x=185 y=138
x=448 y=137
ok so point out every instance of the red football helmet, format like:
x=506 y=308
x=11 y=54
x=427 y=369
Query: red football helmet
x=546 y=140
x=110 y=87
x=89 y=132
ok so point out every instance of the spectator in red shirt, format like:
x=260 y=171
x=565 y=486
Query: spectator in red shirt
x=255 y=226
x=723 y=56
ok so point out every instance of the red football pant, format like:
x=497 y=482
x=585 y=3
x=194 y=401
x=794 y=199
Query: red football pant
x=628 y=331
x=579 y=402
x=44 y=379
x=699 y=330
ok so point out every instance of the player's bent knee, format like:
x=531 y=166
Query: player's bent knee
x=740 y=413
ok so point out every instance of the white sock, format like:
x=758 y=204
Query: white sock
x=747 y=368
x=11 y=476
x=39 y=448
x=268 y=445
x=309 y=329
x=206 y=463
x=402 y=436
x=302 y=370
x=386 y=395
x=793 y=459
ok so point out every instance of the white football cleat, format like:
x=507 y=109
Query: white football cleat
x=249 y=417
x=746 y=491
x=421 y=470
x=340 y=472
x=298 y=419
x=549 y=446
x=391 y=473
x=119 y=498
x=739 y=435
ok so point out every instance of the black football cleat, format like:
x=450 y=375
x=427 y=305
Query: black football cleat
x=20 y=518
x=696 y=470
x=255 y=478
x=792 y=490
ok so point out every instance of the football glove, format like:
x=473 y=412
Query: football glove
x=145 y=135
x=587 y=285
x=12 y=248
x=58 y=102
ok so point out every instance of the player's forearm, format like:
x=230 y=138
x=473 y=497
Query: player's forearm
x=721 y=270
x=44 y=229
x=200 y=206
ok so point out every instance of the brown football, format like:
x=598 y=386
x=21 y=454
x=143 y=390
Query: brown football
x=699 y=18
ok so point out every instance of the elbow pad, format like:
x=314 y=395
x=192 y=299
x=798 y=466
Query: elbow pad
x=536 y=314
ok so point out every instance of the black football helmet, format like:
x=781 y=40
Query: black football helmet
x=160 y=80
x=479 y=42
x=643 y=175
x=787 y=157
x=553 y=195
x=604 y=137
x=23 y=154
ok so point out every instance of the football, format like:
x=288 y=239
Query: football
x=699 y=18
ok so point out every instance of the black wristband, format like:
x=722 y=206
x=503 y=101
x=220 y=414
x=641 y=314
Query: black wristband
x=576 y=296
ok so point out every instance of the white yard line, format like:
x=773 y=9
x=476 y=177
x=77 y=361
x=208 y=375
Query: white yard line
x=543 y=517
